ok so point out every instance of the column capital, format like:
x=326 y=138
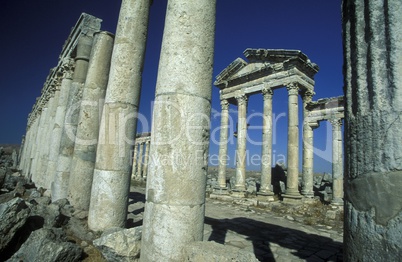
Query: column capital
x=68 y=68
x=335 y=122
x=307 y=95
x=225 y=104
x=293 y=88
x=241 y=99
x=267 y=93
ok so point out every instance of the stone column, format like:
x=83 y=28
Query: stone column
x=372 y=41
x=175 y=194
x=337 y=163
x=67 y=141
x=146 y=159
x=223 y=144
x=135 y=161
x=111 y=181
x=46 y=181
x=292 y=181
x=38 y=144
x=308 y=149
x=66 y=75
x=266 y=154
x=140 y=159
x=83 y=162
x=240 y=185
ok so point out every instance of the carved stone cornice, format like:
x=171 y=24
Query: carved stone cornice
x=241 y=100
x=224 y=104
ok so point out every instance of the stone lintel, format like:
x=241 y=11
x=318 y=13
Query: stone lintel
x=271 y=82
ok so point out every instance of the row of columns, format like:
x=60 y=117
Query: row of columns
x=141 y=159
x=292 y=190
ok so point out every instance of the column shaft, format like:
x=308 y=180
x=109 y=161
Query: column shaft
x=66 y=75
x=84 y=156
x=146 y=159
x=308 y=149
x=111 y=180
x=240 y=184
x=292 y=187
x=337 y=163
x=135 y=161
x=140 y=161
x=175 y=194
x=372 y=43
x=67 y=140
x=266 y=152
x=223 y=144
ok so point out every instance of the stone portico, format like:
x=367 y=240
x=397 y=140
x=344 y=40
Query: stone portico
x=265 y=71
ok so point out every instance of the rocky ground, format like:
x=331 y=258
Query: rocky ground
x=34 y=228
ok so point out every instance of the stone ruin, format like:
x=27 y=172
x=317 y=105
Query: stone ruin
x=75 y=154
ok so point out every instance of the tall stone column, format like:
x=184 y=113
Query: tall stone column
x=66 y=75
x=175 y=194
x=308 y=149
x=83 y=162
x=240 y=184
x=337 y=163
x=135 y=161
x=223 y=144
x=140 y=159
x=39 y=144
x=146 y=159
x=372 y=41
x=111 y=181
x=292 y=185
x=266 y=154
x=67 y=140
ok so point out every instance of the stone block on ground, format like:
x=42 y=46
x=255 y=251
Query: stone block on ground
x=47 y=245
x=214 y=252
x=118 y=244
x=13 y=215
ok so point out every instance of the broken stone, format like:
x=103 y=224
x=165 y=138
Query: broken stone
x=117 y=244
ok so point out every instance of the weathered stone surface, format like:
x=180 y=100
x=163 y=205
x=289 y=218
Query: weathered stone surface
x=212 y=251
x=372 y=42
x=13 y=216
x=117 y=244
x=47 y=245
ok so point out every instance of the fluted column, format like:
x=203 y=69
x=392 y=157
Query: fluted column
x=146 y=159
x=240 y=184
x=175 y=193
x=266 y=152
x=337 y=163
x=308 y=152
x=223 y=144
x=140 y=159
x=111 y=180
x=292 y=185
x=38 y=144
x=67 y=140
x=83 y=162
x=372 y=41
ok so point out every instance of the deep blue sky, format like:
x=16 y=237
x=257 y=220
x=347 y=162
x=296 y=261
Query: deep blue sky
x=33 y=33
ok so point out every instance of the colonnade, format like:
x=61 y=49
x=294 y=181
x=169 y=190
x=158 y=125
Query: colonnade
x=175 y=194
x=235 y=90
x=141 y=156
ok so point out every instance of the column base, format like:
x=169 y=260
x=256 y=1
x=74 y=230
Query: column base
x=220 y=190
x=238 y=193
x=265 y=196
x=292 y=198
x=337 y=202
x=308 y=194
